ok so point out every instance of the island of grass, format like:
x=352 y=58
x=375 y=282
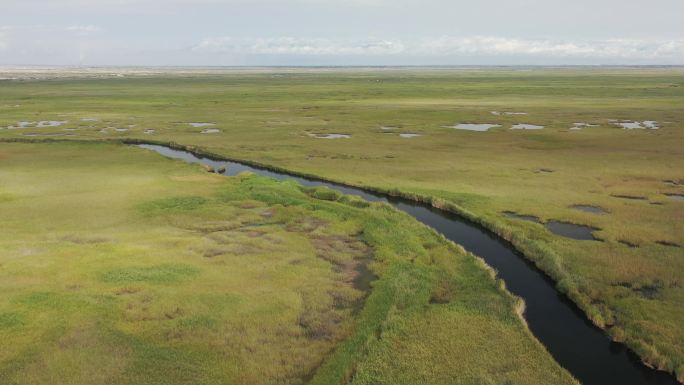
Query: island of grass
x=122 y=267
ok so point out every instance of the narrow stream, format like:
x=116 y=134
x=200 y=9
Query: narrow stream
x=580 y=347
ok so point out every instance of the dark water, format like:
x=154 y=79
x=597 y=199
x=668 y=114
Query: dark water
x=568 y=230
x=632 y=197
x=364 y=276
x=574 y=342
x=590 y=209
x=571 y=230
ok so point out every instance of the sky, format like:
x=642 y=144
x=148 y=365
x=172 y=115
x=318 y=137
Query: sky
x=332 y=32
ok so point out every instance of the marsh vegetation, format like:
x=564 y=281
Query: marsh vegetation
x=478 y=175
x=174 y=275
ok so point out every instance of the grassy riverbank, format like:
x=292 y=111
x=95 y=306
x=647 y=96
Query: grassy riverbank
x=629 y=282
x=123 y=267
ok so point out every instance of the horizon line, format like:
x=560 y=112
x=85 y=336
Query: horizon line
x=433 y=66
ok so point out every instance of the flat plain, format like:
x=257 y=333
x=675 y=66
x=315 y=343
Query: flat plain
x=612 y=139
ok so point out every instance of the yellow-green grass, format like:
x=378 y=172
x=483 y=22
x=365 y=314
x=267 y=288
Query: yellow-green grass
x=635 y=293
x=119 y=266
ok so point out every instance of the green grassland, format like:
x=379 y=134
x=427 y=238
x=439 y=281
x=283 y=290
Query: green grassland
x=119 y=266
x=635 y=292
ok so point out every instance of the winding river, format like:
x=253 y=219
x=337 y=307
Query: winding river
x=580 y=347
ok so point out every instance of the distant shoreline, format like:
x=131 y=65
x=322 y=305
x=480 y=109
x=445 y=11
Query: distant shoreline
x=40 y=72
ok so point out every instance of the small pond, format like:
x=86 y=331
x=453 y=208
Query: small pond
x=571 y=230
x=630 y=197
x=635 y=125
x=51 y=123
x=42 y=123
x=590 y=209
x=474 y=126
x=523 y=126
x=409 y=135
x=497 y=113
x=331 y=136
x=47 y=134
x=199 y=125
x=579 y=126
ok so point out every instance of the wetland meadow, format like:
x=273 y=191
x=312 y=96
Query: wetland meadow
x=506 y=225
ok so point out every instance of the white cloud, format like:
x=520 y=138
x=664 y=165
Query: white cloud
x=611 y=48
x=298 y=46
x=477 y=46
